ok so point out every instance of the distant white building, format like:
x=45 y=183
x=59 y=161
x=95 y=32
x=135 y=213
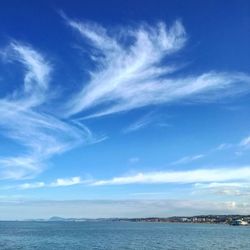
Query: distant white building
x=239 y=223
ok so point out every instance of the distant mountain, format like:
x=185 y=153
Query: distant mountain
x=56 y=218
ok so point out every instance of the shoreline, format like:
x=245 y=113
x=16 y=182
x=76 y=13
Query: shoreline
x=237 y=220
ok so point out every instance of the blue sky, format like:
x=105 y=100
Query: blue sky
x=123 y=108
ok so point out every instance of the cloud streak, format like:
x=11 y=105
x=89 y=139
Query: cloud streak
x=67 y=182
x=181 y=177
x=245 y=142
x=41 y=134
x=130 y=74
x=140 y=123
x=60 y=182
x=188 y=159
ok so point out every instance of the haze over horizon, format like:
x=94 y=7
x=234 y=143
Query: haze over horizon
x=124 y=109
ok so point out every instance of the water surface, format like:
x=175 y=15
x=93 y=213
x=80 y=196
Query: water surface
x=121 y=235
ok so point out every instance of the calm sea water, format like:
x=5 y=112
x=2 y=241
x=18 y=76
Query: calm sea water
x=121 y=235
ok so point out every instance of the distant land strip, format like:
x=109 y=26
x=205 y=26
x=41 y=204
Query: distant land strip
x=237 y=220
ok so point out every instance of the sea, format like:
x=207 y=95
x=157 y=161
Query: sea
x=121 y=235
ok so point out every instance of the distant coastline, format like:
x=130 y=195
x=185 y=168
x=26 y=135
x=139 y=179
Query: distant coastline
x=204 y=219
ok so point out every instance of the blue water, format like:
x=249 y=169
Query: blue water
x=121 y=235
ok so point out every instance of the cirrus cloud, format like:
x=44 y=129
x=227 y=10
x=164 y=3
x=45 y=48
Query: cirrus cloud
x=41 y=134
x=130 y=72
x=184 y=176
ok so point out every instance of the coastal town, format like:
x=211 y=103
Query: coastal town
x=237 y=220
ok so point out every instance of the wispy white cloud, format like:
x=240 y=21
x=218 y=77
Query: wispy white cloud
x=21 y=119
x=60 y=182
x=140 y=123
x=214 y=179
x=245 y=142
x=224 y=146
x=185 y=176
x=188 y=159
x=222 y=184
x=67 y=182
x=37 y=74
x=32 y=185
x=129 y=71
x=237 y=148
